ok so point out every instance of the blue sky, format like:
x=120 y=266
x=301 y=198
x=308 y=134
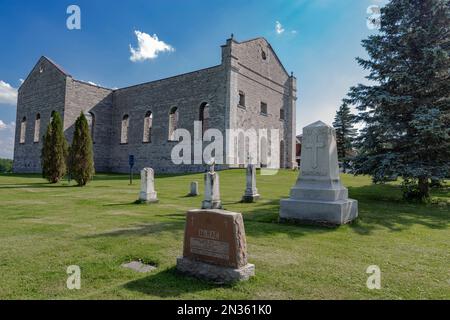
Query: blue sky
x=319 y=42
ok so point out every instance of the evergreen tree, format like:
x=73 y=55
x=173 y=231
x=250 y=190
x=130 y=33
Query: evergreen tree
x=345 y=133
x=81 y=153
x=54 y=151
x=407 y=111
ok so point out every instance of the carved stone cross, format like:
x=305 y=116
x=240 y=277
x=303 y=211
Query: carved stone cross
x=314 y=146
x=211 y=164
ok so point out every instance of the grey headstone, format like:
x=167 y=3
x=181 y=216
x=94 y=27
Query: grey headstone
x=148 y=193
x=251 y=192
x=194 y=189
x=139 y=266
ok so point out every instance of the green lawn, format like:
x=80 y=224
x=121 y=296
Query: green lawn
x=45 y=228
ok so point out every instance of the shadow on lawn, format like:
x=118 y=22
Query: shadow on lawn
x=35 y=185
x=383 y=206
x=168 y=284
x=141 y=230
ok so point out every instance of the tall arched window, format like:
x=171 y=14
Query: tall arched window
x=281 y=154
x=173 y=122
x=204 y=117
x=263 y=152
x=23 y=129
x=90 y=117
x=51 y=115
x=148 y=122
x=37 y=128
x=124 y=131
x=241 y=148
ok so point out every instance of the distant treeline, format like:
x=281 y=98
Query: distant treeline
x=5 y=165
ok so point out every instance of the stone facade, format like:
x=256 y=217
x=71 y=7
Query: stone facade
x=250 y=68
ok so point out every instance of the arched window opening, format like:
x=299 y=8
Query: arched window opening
x=241 y=149
x=282 y=164
x=23 y=129
x=204 y=117
x=90 y=117
x=124 y=132
x=263 y=153
x=37 y=128
x=51 y=115
x=148 y=122
x=173 y=123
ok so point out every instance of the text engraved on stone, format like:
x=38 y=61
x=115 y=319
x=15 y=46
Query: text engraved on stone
x=211 y=248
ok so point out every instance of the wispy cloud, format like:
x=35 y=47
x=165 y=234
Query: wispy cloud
x=279 y=27
x=148 y=47
x=8 y=94
x=7 y=139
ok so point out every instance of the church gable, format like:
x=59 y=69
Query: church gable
x=258 y=56
x=43 y=73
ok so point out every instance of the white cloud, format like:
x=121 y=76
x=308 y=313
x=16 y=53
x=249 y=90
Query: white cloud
x=279 y=27
x=294 y=32
x=8 y=94
x=7 y=139
x=148 y=47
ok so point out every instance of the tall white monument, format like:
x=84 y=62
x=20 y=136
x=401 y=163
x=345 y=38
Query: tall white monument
x=148 y=193
x=318 y=195
x=212 y=189
x=251 y=192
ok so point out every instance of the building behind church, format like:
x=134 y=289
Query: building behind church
x=249 y=89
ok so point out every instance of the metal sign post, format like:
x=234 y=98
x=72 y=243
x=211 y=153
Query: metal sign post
x=131 y=163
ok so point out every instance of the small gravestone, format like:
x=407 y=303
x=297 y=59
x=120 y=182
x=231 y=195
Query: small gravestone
x=251 y=193
x=318 y=196
x=212 y=189
x=215 y=247
x=138 y=266
x=148 y=193
x=193 y=192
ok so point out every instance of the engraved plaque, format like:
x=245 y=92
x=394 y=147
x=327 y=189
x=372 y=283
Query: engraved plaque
x=212 y=248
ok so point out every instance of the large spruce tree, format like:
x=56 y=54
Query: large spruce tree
x=54 y=150
x=81 y=153
x=345 y=133
x=407 y=109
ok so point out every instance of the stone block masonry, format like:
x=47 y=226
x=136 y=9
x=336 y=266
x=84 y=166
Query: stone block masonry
x=136 y=120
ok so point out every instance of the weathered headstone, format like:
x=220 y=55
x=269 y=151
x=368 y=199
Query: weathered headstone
x=148 y=193
x=194 y=189
x=251 y=192
x=215 y=247
x=318 y=196
x=212 y=190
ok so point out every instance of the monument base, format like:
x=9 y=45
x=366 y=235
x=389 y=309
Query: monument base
x=148 y=197
x=318 y=212
x=208 y=204
x=214 y=273
x=250 y=198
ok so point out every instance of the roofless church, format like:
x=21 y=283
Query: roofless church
x=250 y=89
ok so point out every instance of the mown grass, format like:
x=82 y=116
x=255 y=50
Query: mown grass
x=45 y=228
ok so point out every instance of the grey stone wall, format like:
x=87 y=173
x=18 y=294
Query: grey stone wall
x=186 y=92
x=261 y=79
x=243 y=68
x=87 y=98
x=42 y=92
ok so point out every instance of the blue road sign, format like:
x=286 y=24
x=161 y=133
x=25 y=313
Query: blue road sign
x=131 y=160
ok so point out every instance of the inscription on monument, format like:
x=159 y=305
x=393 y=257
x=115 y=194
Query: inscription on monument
x=211 y=248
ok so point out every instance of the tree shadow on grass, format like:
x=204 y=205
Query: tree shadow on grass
x=382 y=206
x=168 y=284
x=139 y=230
x=40 y=185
